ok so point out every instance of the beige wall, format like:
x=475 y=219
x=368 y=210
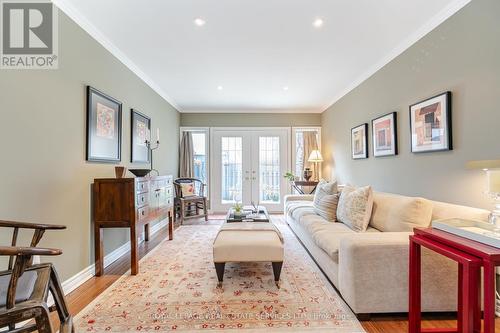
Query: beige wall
x=43 y=175
x=461 y=55
x=250 y=120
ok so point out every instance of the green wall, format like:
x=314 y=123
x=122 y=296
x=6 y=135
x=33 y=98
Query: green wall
x=461 y=55
x=250 y=119
x=44 y=176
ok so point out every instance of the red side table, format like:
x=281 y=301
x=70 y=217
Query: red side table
x=468 y=292
x=489 y=258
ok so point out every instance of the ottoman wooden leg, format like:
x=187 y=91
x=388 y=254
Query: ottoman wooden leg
x=277 y=271
x=219 y=268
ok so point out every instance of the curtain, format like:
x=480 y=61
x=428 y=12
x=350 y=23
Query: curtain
x=310 y=144
x=186 y=160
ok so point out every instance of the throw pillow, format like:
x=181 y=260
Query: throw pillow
x=325 y=200
x=393 y=212
x=187 y=189
x=355 y=207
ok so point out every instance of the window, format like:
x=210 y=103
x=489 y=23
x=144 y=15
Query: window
x=232 y=169
x=200 y=153
x=200 y=156
x=298 y=159
x=269 y=168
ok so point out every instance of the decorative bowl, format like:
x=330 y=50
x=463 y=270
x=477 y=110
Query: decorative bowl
x=140 y=172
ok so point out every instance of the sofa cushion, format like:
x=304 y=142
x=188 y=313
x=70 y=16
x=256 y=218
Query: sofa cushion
x=328 y=235
x=291 y=206
x=399 y=213
x=25 y=287
x=442 y=210
x=302 y=211
x=326 y=199
x=318 y=225
x=355 y=207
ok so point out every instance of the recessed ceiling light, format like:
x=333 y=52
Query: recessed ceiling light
x=199 y=21
x=318 y=23
x=285 y=88
x=220 y=87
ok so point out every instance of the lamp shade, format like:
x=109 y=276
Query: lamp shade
x=494 y=181
x=492 y=167
x=485 y=164
x=315 y=156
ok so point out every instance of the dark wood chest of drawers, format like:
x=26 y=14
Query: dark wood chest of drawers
x=130 y=203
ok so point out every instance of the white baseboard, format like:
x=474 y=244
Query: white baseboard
x=78 y=279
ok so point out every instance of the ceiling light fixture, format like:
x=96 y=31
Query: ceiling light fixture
x=285 y=88
x=199 y=21
x=318 y=23
x=219 y=88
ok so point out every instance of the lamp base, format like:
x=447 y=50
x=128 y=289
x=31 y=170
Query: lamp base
x=495 y=216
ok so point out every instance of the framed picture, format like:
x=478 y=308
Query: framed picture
x=104 y=127
x=140 y=132
x=359 y=142
x=430 y=124
x=384 y=135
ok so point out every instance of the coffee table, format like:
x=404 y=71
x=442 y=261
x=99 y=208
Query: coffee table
x=248 y=216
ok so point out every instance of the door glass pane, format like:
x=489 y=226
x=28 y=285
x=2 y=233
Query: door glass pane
x=269 y=169
x=200 y=157
x=232 y=164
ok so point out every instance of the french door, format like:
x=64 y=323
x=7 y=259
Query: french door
x=248 y=166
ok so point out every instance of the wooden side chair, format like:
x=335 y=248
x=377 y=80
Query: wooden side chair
x=24 y=287
x=189 y=199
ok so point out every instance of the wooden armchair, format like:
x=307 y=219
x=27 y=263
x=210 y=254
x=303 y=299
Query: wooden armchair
x=190 y=206
x=24 y=287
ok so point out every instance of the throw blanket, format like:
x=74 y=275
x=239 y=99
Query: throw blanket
x=250 y=226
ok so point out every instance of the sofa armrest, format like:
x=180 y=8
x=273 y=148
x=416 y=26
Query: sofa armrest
x=373 y=274
x=299 y=197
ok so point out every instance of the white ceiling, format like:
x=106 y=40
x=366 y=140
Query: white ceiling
x=253 y=49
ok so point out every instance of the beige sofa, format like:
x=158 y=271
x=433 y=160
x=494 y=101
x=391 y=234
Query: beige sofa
x=370 y=269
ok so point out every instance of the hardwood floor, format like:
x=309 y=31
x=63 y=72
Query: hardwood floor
x=82 y=296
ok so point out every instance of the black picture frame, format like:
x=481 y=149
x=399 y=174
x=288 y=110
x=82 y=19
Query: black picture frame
x=139 y=152
x=393 y=150
x=364 y=140
x=446 y=117
x=104 y=127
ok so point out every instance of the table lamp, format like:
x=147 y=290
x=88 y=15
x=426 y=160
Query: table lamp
x=492 y=168
x=315 y=157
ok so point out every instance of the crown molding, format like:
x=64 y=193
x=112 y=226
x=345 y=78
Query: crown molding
x=430 y=25
x=95 y=33
x=252 y=111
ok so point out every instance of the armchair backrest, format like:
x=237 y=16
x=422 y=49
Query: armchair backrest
x=199 y=186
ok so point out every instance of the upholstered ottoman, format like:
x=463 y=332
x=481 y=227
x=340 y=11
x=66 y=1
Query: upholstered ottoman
x=248 y=242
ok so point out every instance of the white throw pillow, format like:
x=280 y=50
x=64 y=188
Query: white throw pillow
x=326 y=199
x=355 y=207
x=393 y=212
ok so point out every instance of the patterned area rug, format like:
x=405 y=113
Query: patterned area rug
x=177 y=290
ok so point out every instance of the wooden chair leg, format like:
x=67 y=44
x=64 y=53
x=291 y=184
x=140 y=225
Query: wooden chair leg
x=56 y=290
x=182 y=212
x=205 y=208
